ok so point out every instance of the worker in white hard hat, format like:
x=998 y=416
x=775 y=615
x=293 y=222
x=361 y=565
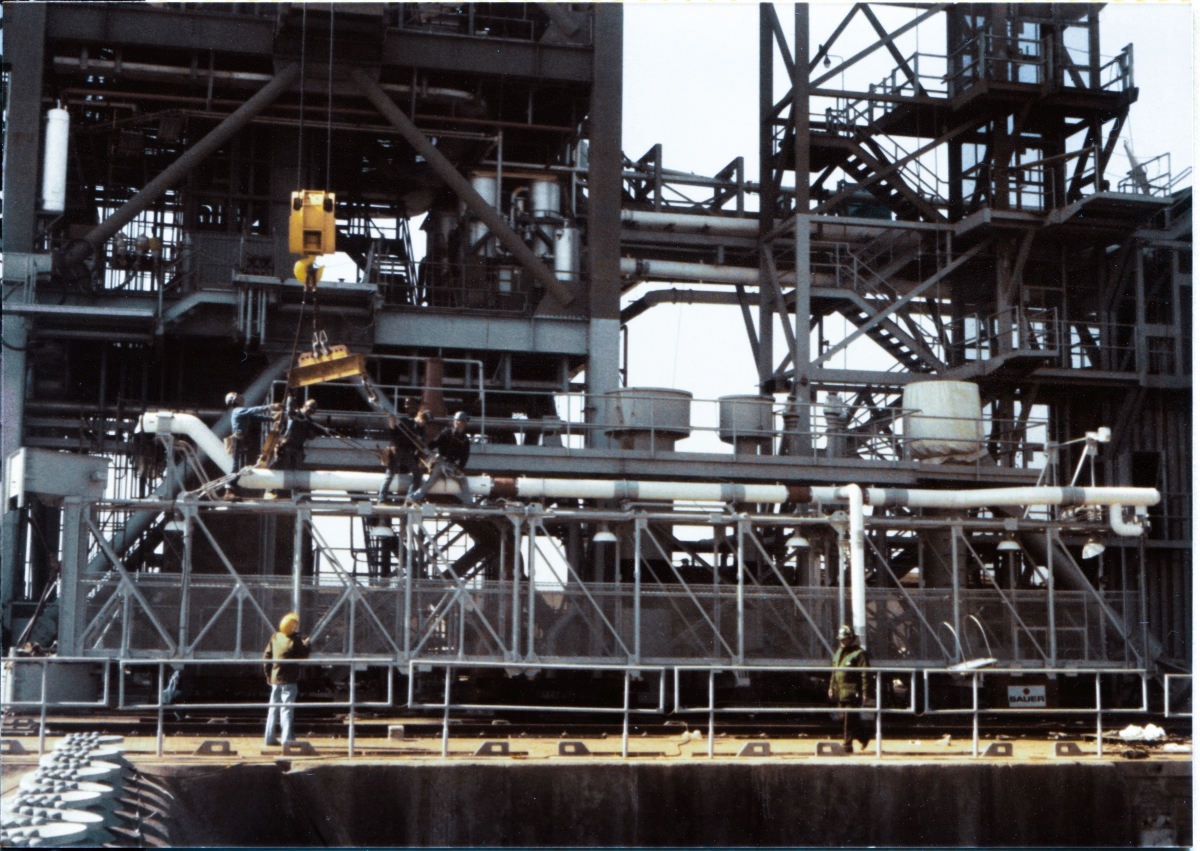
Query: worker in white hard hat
x=850 y=689
x=287 y=644
x=453 y=450
x=241 y=421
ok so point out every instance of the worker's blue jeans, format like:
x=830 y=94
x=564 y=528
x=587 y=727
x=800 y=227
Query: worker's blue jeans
x=283 y=702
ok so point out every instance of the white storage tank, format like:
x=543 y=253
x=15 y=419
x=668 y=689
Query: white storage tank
x=54 y=161
x=649 y=418
x=485 y=185
x=748 y=422
x=946 y=423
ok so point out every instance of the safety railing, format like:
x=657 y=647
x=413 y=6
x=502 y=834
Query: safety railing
x=1167 y=680
x=905 y=689
x=447 y=704
x=1038 y=701
x=712 y=709
x=988 y=57
x=1014 y=329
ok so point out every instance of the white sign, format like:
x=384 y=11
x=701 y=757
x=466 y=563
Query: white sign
x=1027 y=696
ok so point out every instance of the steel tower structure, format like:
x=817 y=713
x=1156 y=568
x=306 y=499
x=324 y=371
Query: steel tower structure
x=164 y=281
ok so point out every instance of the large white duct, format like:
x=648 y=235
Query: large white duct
x=168 y=422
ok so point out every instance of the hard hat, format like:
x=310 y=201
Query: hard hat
x=290 y=623
x=462 y=416
x=232 y=399
x=845 y=632
x=310 y=405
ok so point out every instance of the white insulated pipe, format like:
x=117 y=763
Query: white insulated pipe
x=858 y=568
x=1021 y=496
x=683 y=223
x=1117 y=523
x=169 y=422
x=672 y=270
x=54 y=160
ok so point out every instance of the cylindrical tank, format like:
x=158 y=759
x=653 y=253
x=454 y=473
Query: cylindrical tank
x=566 y=254
x=649 y=418
x=946 y=423
x=747 y=422
x=54 y=164
x=544 y=200
x=485 y=185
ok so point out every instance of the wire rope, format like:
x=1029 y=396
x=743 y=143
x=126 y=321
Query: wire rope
x=329 y=112
x=300 y=131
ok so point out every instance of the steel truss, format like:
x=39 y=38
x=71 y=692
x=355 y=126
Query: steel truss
x=515 y=583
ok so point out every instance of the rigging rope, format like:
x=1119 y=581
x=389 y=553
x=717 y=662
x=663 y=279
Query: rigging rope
x=329 y=111
x=300 y=141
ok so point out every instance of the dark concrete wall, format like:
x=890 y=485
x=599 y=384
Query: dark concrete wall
x=529 y=804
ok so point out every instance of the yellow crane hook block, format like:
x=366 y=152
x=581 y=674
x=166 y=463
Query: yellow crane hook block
x=315 y=368
x=312 y=228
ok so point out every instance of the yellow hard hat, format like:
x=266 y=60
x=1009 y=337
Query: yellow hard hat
x=289 y=624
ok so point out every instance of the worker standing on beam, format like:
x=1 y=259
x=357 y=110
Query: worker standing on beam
x=407 y=434
x=850 y=689
x=300 y=428
x=241 y=420
x=453 y=450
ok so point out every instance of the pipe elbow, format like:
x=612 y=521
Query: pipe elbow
x=1117 y=523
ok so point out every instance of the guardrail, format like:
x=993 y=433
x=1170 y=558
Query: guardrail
x=887 y=679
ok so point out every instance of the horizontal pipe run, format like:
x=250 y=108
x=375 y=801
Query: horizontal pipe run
x=684 y=223
x=1020 y=496
x=672 y=270
x=150 y=71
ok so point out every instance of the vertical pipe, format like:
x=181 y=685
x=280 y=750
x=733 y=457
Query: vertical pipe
x=158 y=742
x=350 y=745
x=529 y=649
x=841 y=550
x=42 y=721
x=1099 y=722
x=302 y=516
x=878 y=714
x=189 y=535
x=712 y=709
x=625 y=719
x=446 y=716
x=955 y=531
x=741 y=594
x=975 y=714
x=408 y=589
x=1050 y=626
x=637 y=588
x=516 y=590
x=858 y=571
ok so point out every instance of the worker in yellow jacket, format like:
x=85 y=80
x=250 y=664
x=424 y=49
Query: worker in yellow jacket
x=287 y=644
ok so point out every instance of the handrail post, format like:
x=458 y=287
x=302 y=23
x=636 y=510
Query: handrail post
x=158 y=745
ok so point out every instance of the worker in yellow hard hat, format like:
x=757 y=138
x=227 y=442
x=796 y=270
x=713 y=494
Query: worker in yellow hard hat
x=287 y=644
